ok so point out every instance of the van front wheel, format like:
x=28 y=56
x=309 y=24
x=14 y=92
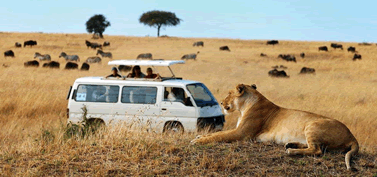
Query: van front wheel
x=173 y=127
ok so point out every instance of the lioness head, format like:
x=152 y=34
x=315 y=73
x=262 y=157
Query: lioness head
x=240 y=96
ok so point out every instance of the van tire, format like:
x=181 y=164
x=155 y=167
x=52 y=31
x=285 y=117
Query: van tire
x=173 y=127
x=96 y=124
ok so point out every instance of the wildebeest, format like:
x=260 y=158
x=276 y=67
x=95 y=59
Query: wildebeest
x=104 y=54
x=356 y=56
x=324 y=48
x=9 y=53
x=277 y=73
x=17 y=44
x=365 y=43
x=46 y=57
x=33 y=63
x=124 y=68
x=88 y=44
x=144 y=56
x=71 y=65
x=335 y=46
x=302 y=55
x=69 y=57
x=85 y=67
x=272 y=42
x=199 y=43
x=263 y=55
x=106 y=43
x=351 y=49
x=287 y=57
x=30 y=42
x=52 y=64
x=306 y=70
x=190 y=56
x=92 y=45
x=93 y=60
x=225 y=48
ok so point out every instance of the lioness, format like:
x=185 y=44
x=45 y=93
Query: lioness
x=302 y=132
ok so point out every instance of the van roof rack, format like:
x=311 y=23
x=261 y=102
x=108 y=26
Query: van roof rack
x=155 y=62
x=158 y=62
x=144 y=79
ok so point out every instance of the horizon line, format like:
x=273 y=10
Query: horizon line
x=41 y=32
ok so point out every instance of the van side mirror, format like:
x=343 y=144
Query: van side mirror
x=74 y=94
x=69 y=92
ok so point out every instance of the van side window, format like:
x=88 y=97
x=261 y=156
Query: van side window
x=176 y=94
x=139 y=95
x=97 y=93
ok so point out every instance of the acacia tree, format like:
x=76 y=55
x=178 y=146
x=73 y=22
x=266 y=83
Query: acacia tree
x=158 y=18
x=97 y=25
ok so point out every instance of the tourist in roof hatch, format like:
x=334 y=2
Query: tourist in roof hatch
x=151 y=75
x=115 y=73
x=136 y=72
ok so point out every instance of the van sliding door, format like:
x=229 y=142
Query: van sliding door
x=138 y=106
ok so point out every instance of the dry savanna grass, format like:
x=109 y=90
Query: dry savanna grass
x=33 y=108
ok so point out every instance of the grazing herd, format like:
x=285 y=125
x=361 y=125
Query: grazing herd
x=340 y=46
x=278 y=71
x=306 y=70
x=70 y=59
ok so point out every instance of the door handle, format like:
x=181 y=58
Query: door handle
x=164 y=109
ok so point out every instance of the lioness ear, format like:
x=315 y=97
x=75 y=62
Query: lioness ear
x=240 y=88
x=254 y=86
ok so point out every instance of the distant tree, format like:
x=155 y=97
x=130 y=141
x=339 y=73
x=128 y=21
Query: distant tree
x=97 y=25
x=158 y=18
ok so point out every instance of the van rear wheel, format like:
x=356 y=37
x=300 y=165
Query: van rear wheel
x=173 y=127
x=96 y=124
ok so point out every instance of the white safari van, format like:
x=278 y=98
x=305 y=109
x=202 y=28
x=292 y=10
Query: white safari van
x=167 y=103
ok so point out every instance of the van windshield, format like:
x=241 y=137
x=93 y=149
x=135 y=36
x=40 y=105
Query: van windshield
x=201 y=95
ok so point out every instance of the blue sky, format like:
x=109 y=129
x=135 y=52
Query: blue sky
x=320 y=20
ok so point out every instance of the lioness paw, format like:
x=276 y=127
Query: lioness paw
x=289 y=151
x=194 y=141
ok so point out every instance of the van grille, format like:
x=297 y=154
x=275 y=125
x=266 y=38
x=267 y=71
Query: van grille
x=210 y=122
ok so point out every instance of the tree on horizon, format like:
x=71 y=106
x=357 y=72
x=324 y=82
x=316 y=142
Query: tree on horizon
x=158 y=19
x=97 y=25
